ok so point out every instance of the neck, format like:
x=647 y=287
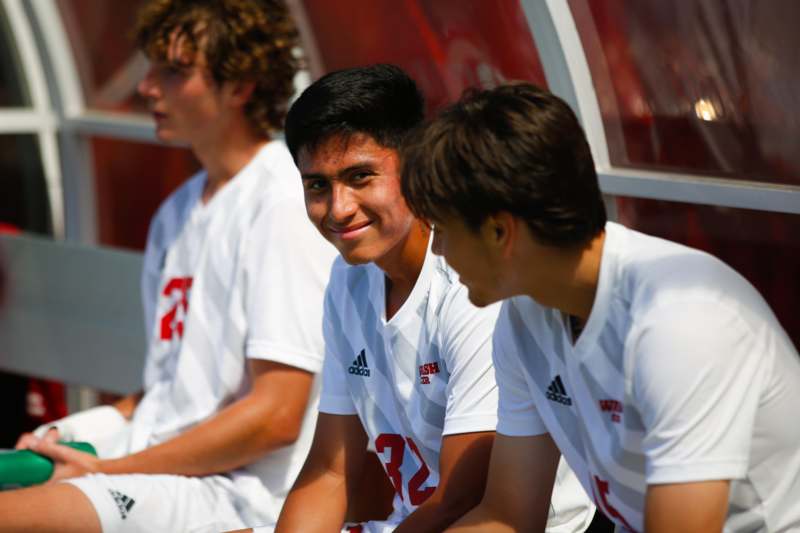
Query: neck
x=402 y=266
x=225 y=155
x=569 y=282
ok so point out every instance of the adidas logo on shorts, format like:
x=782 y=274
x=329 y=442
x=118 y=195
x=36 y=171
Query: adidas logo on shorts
x=557 y=393
x=124 y=503
x=359 y=366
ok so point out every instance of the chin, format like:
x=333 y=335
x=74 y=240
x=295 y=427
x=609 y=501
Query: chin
x=479 y=299
x=164 y=136
x=355 y=256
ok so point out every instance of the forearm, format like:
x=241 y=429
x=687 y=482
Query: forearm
x=236 y=436
x=316 y=504
x=463 y=466
x=432 y=517
x=481 y=520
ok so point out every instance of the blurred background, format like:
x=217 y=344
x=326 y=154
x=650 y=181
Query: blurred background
x=692 y=109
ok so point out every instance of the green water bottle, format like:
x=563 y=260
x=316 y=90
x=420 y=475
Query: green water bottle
x=22 y=468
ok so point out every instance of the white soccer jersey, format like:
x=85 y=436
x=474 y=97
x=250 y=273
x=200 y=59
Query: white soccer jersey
x=423 y=374
x=681 y=374
x=240 y=277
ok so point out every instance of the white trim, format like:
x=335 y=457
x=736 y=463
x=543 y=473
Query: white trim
x=51 y=164
x=696 y=189
x=54 y=35
x=129 y=126
x=41 y=121
x=26 y=48
x=80 y=205
x=25 y=120
x=566 y=68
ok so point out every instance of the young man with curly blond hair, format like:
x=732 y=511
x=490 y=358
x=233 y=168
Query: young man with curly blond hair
x=233 y=283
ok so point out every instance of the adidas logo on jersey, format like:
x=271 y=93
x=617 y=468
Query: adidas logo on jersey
x=557 y=393
x=359 y=366
x=124 y=503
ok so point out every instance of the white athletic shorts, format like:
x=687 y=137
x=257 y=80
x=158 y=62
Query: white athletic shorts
x=143 y=503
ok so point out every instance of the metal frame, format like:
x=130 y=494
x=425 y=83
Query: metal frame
x=39 y=120
x=568 y=75
x=80 y=219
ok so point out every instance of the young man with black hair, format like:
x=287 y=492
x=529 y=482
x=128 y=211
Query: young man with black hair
x=658 y=372
x=408 y=358
x=233 y=285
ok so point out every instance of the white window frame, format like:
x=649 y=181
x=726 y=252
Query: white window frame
x=39 y=119
x=567 y=72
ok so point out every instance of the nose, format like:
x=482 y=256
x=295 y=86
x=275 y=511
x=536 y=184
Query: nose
x=343 y=205
x=148 y=87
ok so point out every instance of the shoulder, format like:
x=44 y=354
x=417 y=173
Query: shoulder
x=657 y=277
x=446 y=292
x=174 y=210
x=348 y=282
x=274 y=169
x=182 y=198
x=457 y=316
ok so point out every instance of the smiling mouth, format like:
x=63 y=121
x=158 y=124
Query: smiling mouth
x=350 y=232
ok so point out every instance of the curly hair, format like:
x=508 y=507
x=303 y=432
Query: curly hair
x=243 y=40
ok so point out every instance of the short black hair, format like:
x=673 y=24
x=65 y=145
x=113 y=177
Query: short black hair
x=379 y=100
x=516 y=148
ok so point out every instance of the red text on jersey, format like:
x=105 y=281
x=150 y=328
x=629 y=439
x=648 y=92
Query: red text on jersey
x=426 y=370
x=397 y=452
x=614 y=407
x=177 y=292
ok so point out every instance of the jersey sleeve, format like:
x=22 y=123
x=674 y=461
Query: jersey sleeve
x=517 y=415
x=467 y=349
x=334 y=397
x=286 y=271
x=697 y=376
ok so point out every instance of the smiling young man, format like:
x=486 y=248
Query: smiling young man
x=233 y=285
x=659 y=373
x=408 y=359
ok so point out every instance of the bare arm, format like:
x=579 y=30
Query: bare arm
x=268 y=417
x=521 y=476
x=463 y=465
x=687 y=507
x=318 y=500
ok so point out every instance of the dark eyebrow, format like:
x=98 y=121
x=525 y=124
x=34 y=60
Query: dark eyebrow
x=312 y=176
x=345 y=171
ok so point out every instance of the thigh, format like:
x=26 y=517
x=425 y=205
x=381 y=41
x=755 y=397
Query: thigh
x=142 y=503
x=48 y=508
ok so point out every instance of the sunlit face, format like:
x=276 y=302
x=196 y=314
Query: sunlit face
x=470 y=255
x=352 y=192
x=185 y=102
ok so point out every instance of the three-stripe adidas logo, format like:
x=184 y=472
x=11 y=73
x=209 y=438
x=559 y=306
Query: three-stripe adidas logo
x=557 y=393
x=359 y=366
x=124 y=503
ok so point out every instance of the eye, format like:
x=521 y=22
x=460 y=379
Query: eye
x=315 y=185
x=359 y=177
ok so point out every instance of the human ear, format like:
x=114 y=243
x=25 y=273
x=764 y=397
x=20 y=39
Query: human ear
x=241 y=92
x=501 y=229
